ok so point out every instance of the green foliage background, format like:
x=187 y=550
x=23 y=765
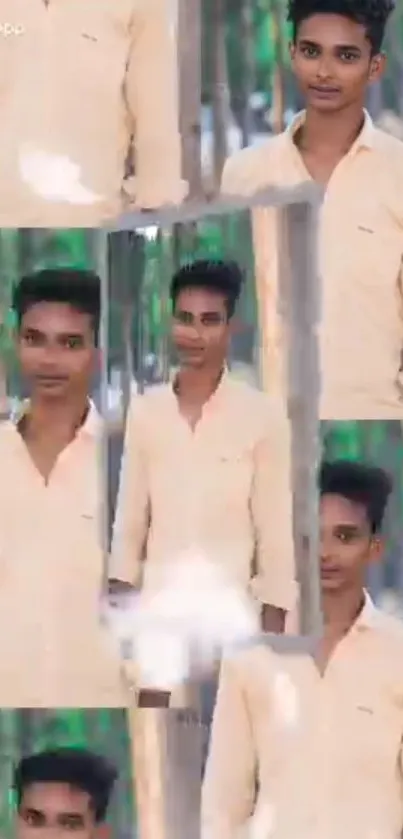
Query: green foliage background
x=104 y=731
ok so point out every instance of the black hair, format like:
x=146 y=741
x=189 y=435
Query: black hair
x=373 y=14
x=79 y=768
x=223 y=277
x=79 y=288
x=361 y=484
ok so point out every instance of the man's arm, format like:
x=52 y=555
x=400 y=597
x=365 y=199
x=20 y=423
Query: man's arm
x=152 y=95
x=274 y=583
x=228 y=793
x=132 y=511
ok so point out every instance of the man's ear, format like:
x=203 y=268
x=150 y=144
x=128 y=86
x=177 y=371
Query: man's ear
x=103 y=831
x=377 y=549
x=377 y=68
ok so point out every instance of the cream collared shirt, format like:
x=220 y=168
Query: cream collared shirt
x=294 y=755
x=360 y=257
x=222 y=490
x=53 y=651
x=78 y=80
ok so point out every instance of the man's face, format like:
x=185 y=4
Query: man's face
x=201 y=331
x=56 y=350
x=347 y=545
x=332 y=62
x=57 y=811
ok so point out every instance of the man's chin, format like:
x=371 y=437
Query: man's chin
x=324 y=105
x=51 y=389
x=331 y=583
x=192 y=362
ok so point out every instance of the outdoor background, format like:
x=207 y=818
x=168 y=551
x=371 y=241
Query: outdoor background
x=234 y=60
x=140 y=268
x=104 y=731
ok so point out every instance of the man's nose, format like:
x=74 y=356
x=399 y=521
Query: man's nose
x=324 y=69
x=325 y=549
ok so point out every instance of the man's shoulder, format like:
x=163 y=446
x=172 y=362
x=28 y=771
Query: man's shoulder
x=244 y=170
x=250 y=396
x=388 y=143
x=389 y=626
x=142 y=404
x=8 y=431
x=260 y=670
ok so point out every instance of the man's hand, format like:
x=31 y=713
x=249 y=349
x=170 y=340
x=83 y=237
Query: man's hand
x=273 y=619
x=119 y=592
x=153 y=698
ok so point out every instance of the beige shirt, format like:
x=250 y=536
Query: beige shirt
x=53 y=651
x=223 y=490
x=79 y=78
x=360 y=255
x=326 y=753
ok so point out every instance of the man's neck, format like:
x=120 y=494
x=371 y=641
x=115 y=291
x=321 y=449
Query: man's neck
x=197 y=386
x=330 y=134
x=341 y=612
x=50 y=417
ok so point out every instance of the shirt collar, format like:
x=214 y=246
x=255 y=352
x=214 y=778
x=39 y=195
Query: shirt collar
x=90 y=428
x=365 y=138
x=369 y=615
x=217 y=395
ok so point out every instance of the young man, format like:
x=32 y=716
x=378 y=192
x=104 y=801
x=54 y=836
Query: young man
x=336 y=54
x=321 y=739
x=63 y=791
x=206 y=462
x=52 y=652
x=87 y=91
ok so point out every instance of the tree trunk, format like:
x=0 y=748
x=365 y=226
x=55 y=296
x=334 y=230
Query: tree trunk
x=248 y=75
x=189 y=47
x=278 y=106
x=220 y=91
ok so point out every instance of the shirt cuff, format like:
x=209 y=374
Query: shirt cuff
x=269 y=592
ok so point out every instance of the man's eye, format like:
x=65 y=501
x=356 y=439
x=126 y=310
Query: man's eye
x=347 y=538
x=72 y=824
x=346 y=55
x=310 y=52
x=31 y=340
x=73 y=343
x=184 y=317
x=33 y=819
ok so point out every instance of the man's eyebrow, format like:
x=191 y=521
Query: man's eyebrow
x=307 y=42
x=350 y=527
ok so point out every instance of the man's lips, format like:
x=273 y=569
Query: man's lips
x=324 y=90
x=192 y=350
x=51 y=380
x=329 y=571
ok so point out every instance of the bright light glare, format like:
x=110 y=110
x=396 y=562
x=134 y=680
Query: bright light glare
x=183 y=627
x=54 y=177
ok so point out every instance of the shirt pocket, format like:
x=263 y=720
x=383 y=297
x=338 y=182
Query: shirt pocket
x=227 y=472
x=376 y=728
x=382 y=249
x=100 y=45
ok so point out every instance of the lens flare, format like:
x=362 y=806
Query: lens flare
x=181 y=629
x=54 y=177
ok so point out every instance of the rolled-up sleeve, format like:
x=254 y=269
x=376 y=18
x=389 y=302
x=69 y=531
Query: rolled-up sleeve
x=228 y=793
x=133 y=510
x=274 y=582
x=152 y=95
